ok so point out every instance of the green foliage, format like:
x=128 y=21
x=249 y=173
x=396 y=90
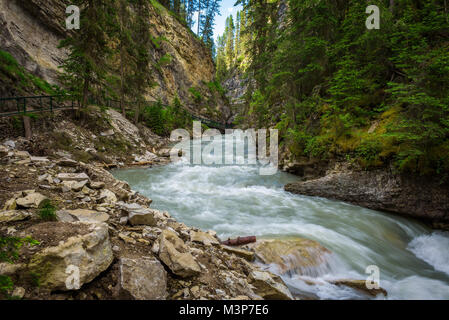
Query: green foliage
x=162 y=120
x=47 y=212
x=26 y=81
x=9 y=252
x=197 y=96
x=338 y=90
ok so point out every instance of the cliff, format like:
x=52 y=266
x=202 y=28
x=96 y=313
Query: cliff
x=31 y=31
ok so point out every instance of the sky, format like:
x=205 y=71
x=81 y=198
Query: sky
x=226 y=9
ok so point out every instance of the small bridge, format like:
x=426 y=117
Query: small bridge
x=15 y=106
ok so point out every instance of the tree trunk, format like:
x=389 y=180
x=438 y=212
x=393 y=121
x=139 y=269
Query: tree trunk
x=391 y=6
x=27 y=127
x=199 y=18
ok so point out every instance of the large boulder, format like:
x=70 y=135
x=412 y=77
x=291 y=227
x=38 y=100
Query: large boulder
x=84 y=256
x=294 y=256
x=142 y=279
x=269 y=286
x=32 y=200
x=176 y=256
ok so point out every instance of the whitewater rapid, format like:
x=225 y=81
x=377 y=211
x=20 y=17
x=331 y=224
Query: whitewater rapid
x=234 y=200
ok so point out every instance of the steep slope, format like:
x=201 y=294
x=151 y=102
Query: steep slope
x=31 y=31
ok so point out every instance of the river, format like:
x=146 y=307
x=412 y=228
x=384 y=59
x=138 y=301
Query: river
x=234 y=200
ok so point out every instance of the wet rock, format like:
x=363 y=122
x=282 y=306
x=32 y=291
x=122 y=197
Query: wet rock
x=176 y=256
x=361 y=286
x=32 y=200
x=73 y=177
x=269 y=286
x=297 y=256
x=245 y=254
x=143 y=279
x=13 y=215
x=381 y=189
x=203 y=237
x=90 y=253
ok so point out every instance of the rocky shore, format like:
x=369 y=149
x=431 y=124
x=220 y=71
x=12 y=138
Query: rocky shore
x=381 y=189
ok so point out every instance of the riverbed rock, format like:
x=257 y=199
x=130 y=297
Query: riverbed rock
x=14 y=215
x=176 y=256
x=269 y=286
x=360 y=285
x=294 y=256
x=90 y=253
x=203 y=237
x=32 y=200
x=142 y=279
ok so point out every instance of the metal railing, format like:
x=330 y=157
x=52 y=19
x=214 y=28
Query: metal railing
x=13 y=106
x=35 y=104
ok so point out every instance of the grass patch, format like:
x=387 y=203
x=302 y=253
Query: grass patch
x=47 y=212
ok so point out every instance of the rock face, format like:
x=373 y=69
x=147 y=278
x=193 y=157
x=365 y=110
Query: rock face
x=381 y=190
x=91 y=253
x=295 y=256
x=176 y=256
x=31 y=31
x=142 y=279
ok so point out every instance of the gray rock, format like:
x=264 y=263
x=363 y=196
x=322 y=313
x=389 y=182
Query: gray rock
x=13 y=215
x=108 y=133
x=142 y=217
x=32 y=200
x=11 y=144
x=143 y=279
x=176 y=256
x=67 y=163
x=73 y=176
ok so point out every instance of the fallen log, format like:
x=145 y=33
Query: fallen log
x=239 y=241
x=142 y=163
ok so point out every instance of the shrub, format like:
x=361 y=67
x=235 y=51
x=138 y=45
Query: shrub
x=47 y=211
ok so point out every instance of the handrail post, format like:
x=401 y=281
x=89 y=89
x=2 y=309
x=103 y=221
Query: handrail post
x=24 y=105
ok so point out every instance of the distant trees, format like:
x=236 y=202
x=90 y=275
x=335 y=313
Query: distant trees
x=232 y=44
x=323 y=79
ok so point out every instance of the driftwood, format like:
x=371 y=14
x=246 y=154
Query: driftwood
x=239 y=241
